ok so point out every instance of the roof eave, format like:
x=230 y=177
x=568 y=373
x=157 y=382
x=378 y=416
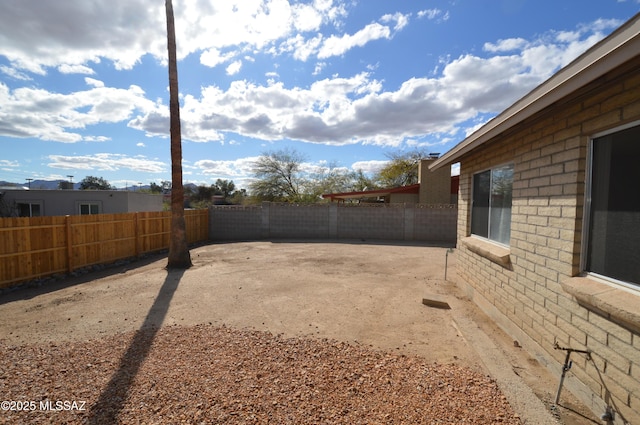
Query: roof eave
x=611 y=52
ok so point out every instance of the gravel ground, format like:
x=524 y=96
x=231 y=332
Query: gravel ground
x=219 y=375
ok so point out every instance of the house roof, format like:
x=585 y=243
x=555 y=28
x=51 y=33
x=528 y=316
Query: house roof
x=414 y=188
x=619 y=47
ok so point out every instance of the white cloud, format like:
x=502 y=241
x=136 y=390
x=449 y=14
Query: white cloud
x=357 y=109
x=249 y=25
x=337 y=46
x=107 y=162
x=432 y=14
x=226 y=169
x=93 y=82
x=334 y=111
x=7 y=165
x=302 y=48
x=14 y=73
x=319 y=67
x=506 y=45
x=96 y=139
x=400 y=19
x=213 y=57
x=234 y=67
x=38 y=113
x=307 y=17
x=369 y=167
x=35 y=35
x=75 y=69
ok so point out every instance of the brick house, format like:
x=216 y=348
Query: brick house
x=549 y=222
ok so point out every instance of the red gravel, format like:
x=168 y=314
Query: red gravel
x=218 y=375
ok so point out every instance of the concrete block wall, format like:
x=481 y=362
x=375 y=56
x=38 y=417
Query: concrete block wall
x=431 y=223
x=300 y=221
x=236 y=223
x=384 y=221
x=526 y=297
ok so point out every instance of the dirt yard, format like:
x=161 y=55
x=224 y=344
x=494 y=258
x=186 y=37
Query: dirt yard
x=335 y=296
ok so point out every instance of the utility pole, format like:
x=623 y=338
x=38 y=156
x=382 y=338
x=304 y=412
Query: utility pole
x=29 y=183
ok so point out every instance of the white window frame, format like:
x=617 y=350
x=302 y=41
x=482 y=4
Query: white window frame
x=586 y=222
x=487 y=238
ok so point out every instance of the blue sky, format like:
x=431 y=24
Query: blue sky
x=84 y=84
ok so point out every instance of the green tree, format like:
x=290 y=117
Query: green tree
x=239 y=197
x=278 y=176
x=95 y=183
x=402 y=169
x=363 y=182
x=155 y=187
x=224 y=188
x=203 y=193
x=179 y=256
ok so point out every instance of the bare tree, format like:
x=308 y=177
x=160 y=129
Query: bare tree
x=278 y=176
x=179 y=257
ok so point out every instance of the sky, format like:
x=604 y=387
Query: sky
x=345 y=83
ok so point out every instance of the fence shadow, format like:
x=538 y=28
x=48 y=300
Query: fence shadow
x=28 y=290
x=113 y=397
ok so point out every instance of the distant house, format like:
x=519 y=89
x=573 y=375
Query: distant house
x=549 y=222
x=433 y=187
x=35 y=203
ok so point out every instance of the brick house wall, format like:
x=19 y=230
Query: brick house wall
x=523 y=287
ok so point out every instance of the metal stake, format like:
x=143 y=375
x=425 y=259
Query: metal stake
x=446 y=262
x=567 y=364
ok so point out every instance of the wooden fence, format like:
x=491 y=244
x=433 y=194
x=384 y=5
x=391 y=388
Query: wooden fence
x=35 y=247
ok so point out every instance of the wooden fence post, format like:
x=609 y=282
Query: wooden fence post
x=136 y=231
x=67 y=223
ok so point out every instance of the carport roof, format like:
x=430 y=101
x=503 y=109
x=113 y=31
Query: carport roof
x=414 y=188
x=611 y=52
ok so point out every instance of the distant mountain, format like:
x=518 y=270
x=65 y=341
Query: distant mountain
x=8 y=184
x=38 y=184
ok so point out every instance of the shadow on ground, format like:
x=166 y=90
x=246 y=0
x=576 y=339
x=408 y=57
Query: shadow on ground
x=114 y=395
x=32 y=289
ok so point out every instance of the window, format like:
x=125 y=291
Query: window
x=491 y=209
x=613 y=241
x=87 y=208
x=29 y=209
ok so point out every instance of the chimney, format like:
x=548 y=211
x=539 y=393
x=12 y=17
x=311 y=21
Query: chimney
x=435 y=186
